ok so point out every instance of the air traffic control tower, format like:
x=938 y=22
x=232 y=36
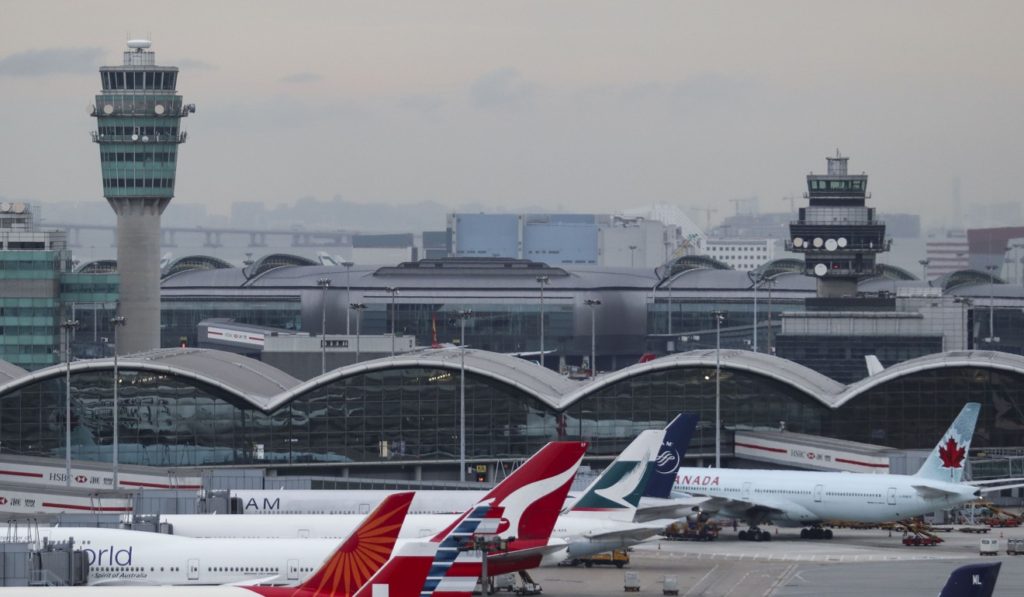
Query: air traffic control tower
x=138 y=116
x=837 y=233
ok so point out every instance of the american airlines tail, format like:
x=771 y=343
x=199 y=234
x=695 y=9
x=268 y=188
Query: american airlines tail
x=618 y=489
x=436 y=568
x=972 y=580
x=947 y=460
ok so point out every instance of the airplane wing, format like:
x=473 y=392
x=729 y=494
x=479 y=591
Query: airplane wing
x=745 y=509
x=527 y=553
x=994 y=488
x=670 y=509
x=631 y=533
x=997 y=481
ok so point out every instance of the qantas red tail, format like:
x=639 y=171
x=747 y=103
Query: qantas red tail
x=358 y=558
x=532 y=496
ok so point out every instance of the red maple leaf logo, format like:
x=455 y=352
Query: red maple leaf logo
x=951 y=454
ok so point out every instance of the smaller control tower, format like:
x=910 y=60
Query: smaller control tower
x=837 y=233
x=138 y=115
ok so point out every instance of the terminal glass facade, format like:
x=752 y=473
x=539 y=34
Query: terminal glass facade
x=411 y=414
x=180 y=316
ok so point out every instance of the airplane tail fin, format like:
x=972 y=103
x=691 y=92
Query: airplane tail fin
x=532 y=496
x=947 y=460
x=618 y=489
x=873 y=364
x=440 y=567
x=972 y=580
x=364 y=552
x=677 y=438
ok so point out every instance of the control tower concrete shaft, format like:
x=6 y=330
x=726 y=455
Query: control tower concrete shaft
x=138 y=115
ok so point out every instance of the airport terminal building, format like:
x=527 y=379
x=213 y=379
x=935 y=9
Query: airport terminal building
x=399 y=415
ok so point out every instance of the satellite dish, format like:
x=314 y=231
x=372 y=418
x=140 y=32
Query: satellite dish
x=135 y=137
x=818 y=242
x=145 y=138
x=159 y=109
x=5 y=206
x=820 y=270
x=18 y=208
x=108 y=109
x=831 y=244
x=798 y=242
x=841 y=242
x=90 y=109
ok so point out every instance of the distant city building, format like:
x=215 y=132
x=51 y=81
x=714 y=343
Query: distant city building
x=946 y=252
x=38 y=291
x=578 y=239
x=741 y=254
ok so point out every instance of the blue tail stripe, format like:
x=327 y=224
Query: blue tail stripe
x=677 y=438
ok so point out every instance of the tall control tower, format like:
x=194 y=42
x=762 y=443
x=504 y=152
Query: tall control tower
x=138 y=117
x=837 y=233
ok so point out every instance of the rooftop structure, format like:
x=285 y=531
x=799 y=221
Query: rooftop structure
x=138 y=115
x=837 y=233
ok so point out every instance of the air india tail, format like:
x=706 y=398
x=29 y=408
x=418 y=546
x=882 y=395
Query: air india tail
x=948 y=459
x=358 y=558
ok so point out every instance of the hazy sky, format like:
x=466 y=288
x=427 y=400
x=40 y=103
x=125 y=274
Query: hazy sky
x=576 y=105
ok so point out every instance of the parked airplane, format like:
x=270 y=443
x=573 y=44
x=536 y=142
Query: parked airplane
x=799 y=498
x=599 y=520
x=529 y=498
x=361 y=566
x=654 y=505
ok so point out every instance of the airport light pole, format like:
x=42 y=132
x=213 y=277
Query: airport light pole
x=462 y=314
x=394 y=315
x=755 y=279
x=67 y=325
x=116 y=322
x=593 y=304
x=358 y=308
x=348 y=295
x=924 y=268
x=964 y=303
x=542 y=280
x=992 y=338
x=719 y=316
x=323 y=283
x=632 y=251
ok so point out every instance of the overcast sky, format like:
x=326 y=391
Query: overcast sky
x=576 y=105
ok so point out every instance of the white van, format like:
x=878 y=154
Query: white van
x=989 y=547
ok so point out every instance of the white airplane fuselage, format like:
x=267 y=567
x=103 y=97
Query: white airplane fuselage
x=805 y=497
x=124 y=557
x=573 y=529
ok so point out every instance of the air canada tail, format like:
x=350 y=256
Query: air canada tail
x=361 y=555
x=618 y=489
x=677 y=438
x=973 y=580
x=947 y=460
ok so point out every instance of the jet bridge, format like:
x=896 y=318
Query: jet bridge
x=811 y=452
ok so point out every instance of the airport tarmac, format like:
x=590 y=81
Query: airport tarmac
x=856 y=562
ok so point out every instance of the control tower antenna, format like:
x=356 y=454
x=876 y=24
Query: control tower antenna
x=138 y=115
x=838 y=234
